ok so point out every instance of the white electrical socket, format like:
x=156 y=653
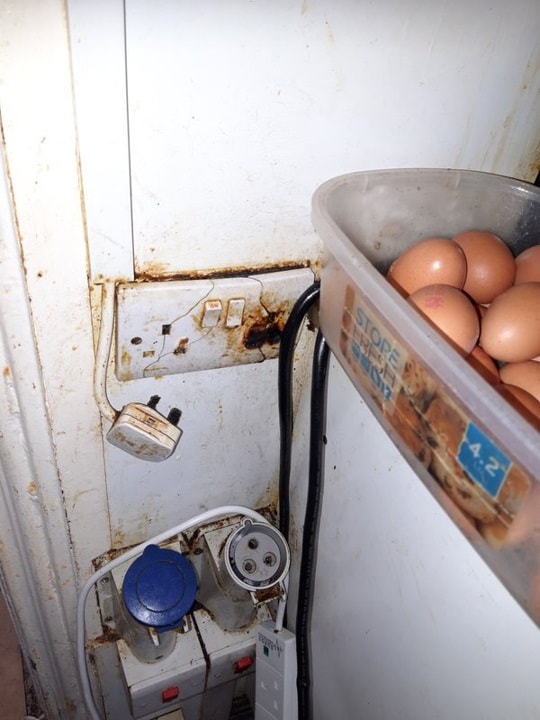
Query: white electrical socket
x=180 y=326
x=276 y=697
x=142 y=431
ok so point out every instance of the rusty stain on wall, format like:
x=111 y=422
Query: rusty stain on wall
x=126 y=359
x=265 y=330
x=162 y=271
x=108 y=636
x=181 y=346
x=106 y=557
x=529 y=167
x=192 y=536
x=268 y=502
x=118 y=534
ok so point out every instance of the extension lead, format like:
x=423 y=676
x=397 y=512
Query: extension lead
x=200 y=519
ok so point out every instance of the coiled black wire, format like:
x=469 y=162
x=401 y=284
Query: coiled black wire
x=317 y=441
x=285 y=366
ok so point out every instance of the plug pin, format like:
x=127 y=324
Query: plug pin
x=174 y=416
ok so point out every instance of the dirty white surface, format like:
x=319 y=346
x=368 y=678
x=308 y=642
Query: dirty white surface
x=416 y=624
x=258 y=105
x=238 y=111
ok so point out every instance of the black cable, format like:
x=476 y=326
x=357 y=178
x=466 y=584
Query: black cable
x=317 y=441
x=286 y=356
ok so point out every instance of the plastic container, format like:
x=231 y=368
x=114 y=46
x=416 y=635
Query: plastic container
x=478 y=455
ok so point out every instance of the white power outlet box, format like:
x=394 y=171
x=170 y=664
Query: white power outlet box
x=275 y=674
x=176 y=682
x=180 y=326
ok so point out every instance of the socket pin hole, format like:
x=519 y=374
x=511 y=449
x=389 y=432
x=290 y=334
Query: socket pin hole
x=249 y=567
x=253 y=544
x=136 y=341
x=269 y=559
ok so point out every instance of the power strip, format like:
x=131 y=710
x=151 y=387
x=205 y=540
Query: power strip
x=275 y=674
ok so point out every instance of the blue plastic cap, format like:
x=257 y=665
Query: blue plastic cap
x=160 y=588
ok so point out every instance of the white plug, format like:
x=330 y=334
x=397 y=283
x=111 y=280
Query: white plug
x=142 y=431
x=138 y=429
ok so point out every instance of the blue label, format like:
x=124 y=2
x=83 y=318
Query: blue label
x=483 y=462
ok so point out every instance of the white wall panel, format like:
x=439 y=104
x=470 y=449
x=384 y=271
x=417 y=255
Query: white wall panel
x=54 y=516
x=238 y=110
x=415 y=623
x=228 y=453
x=99 y=66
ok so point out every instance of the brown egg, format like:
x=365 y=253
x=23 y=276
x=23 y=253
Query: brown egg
x=522 y=401
x=490 y=265
x=428 y=262
x=483 y=364
x=525 y=375
x=528 y=265
x=511 y=325
x=451 y=312
x=481 y=310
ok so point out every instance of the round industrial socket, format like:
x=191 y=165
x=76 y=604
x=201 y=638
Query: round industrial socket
x=257 y=556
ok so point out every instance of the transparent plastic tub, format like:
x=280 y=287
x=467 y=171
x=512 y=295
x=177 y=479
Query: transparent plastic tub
x=474 y=451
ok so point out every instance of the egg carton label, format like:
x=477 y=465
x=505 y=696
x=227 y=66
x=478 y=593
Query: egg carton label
x=486 y=485
x=482 y=460
x=377 y=359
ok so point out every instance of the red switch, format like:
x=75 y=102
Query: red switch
x=243 y=664
x=170 y=693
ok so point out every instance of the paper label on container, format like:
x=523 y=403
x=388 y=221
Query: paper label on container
x=482 y=481
x=377 y=359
